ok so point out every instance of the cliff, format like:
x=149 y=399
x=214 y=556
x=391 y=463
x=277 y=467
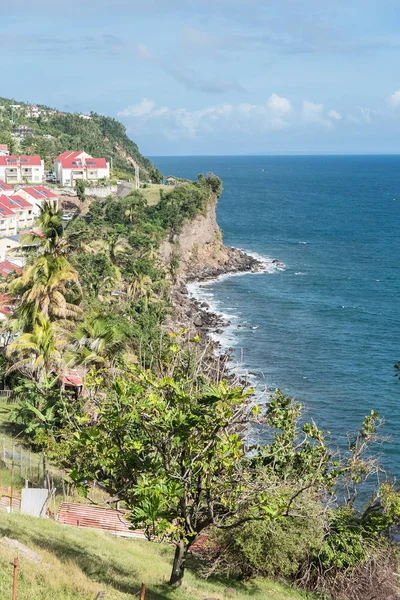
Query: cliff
x=199 y=249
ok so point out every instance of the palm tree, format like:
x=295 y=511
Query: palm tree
x=95 y=342
x=36 y=353
x=49 y=287
x=140 y=287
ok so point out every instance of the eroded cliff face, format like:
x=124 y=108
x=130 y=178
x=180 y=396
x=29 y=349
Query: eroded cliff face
x=198 y=245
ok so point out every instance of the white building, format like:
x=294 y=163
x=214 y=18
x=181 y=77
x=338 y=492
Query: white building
x=32 y=112
x=37 y=196
x=70 y=166
x=25 y=169
x=8 y=246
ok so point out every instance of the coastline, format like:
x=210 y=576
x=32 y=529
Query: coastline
x=195 y=314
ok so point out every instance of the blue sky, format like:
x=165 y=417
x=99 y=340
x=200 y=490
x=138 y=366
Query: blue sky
x=215 y=76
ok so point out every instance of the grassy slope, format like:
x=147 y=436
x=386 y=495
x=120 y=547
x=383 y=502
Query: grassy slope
x=152 y=192
x=77 y=563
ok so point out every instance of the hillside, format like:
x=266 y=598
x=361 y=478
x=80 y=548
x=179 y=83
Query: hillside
x=54 y=132
x=74 y=564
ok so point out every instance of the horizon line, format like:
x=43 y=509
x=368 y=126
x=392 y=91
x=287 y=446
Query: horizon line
x=276 y=154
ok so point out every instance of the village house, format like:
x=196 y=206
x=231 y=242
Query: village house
x=37 y=196
x=7 y=267
x=32 y=112
x=70 y=166
x=8 y=220
x=6 y=189
x=22 y=131
x=9 y=247
x=4 y=150
x=21 y=207
x=25 y=169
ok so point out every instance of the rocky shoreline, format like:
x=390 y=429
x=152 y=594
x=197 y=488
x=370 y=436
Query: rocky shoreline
x=196 y=317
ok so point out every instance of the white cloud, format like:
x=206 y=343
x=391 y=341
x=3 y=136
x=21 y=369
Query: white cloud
x=145 y=107
x=394 y=99
x=245 y=117
x=333 y=114
x=316 y=113
x=279 y=105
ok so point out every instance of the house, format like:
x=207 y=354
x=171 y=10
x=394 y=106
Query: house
x=23 y=169
x=32 y=168
x=8 y=220
x=4 y=150
x=37 y=196
x=22 y=131
x=70 y=166
x=7 y=267
x=9 y=246
x=32 y=112
x=21 y=207
x=6 y=189
x=6 y=308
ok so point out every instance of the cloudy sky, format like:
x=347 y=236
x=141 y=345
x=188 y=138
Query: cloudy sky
x=215 y=76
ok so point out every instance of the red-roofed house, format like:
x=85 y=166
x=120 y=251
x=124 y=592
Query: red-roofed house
x=21 y=207
x=6 y=189
x=8 y=218
x=37 y=196
x=7 y=267
x=22 y=169
x=6 y=306
x=73 y=165
x=4 y=150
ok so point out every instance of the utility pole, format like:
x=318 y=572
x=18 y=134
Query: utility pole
x=137 y=179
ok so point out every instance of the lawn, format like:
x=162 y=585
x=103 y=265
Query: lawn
x=152 y=192
x=75 y=564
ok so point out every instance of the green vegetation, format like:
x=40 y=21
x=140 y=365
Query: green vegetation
x=77 y=563
x=54 y=133
x=162 y=430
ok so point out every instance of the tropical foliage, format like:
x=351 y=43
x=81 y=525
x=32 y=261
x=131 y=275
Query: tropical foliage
x=186 y=451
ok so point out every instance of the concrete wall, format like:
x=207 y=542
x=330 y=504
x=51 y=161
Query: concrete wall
x=100 y=191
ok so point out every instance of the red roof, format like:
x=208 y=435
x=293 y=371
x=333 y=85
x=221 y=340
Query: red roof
x=71 y=377
x=6 y=267
x=8 y=161
x=30 y=160
x=36 y=232
x=96 y=163
x=4 y=210
x=16 y=201
x=13 y=161
x=39 y=192
x=3 y=147
x=72 y=163
x=4 y=187
x=69 y=154
x=71 y=160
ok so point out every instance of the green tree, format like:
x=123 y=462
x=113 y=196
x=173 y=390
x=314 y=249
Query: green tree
x=80 y=187
x=96 y=342
x=7 y=138
x=172 y=449
x=36 y=353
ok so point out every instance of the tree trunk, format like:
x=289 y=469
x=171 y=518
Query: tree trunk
x=178 y=568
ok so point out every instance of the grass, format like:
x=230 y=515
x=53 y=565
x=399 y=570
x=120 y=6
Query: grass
x=152 y=192
x=77 y=563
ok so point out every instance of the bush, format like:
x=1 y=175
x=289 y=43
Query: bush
x=269 y=549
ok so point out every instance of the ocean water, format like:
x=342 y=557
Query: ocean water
x=326 y=328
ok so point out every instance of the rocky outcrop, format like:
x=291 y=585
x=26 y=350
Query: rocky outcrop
x=199 y=251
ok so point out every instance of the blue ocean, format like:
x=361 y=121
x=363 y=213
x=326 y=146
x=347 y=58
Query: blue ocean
x=326 y=328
